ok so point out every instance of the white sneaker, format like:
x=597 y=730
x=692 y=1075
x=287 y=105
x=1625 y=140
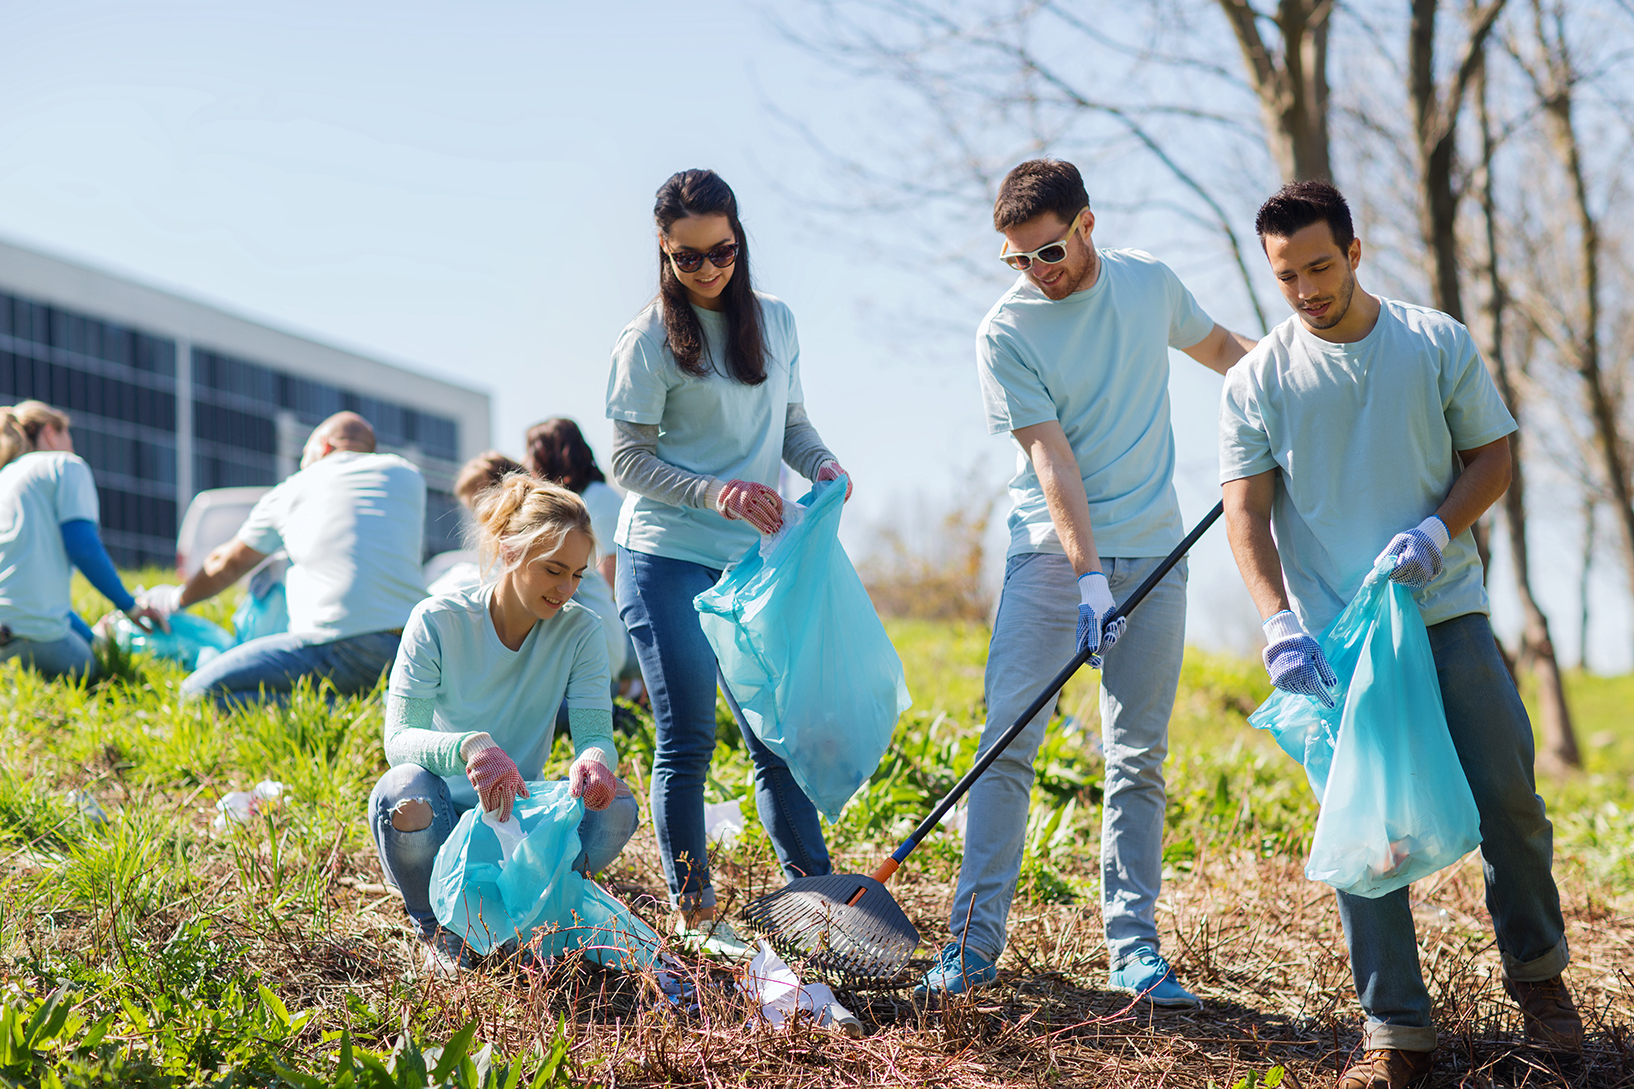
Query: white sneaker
x=716 y=938
x=442 y=955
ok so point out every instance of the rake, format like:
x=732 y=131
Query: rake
x=848 y=926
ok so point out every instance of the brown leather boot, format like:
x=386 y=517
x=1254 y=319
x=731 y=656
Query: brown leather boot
x=1550 y=1016
x=1388 y=1068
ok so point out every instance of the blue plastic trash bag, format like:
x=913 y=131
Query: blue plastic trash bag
x=1395 y=803
x=264 y=609
x=494 y=883
x=803 y=651
x=188 y=638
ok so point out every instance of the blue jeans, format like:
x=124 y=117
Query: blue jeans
x=1035 y=634
x=69 y=656
x=407 y=857
x=276 y=663
x=1493 y=736
x=655 y=601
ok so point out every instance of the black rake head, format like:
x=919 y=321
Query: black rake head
x=846 y=926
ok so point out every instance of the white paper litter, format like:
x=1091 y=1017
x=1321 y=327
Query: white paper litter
x=793 y=515
x=723 y=821
x=509 y=831
x=781 y=994
x=242 y=806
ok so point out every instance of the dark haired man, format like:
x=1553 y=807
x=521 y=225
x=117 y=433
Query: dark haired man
x=1074 y=363
x=1364 y=424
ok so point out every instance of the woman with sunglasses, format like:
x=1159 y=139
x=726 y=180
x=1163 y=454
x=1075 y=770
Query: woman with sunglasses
x=706 y=405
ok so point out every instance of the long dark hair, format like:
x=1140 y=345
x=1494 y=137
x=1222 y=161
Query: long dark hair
x=704 y=193
x=557 y=452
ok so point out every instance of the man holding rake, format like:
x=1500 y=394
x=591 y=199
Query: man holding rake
x=1074 y=363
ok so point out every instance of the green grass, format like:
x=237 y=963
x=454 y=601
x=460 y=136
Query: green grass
x=151 y=950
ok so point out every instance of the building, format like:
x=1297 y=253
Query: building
x=170 y=396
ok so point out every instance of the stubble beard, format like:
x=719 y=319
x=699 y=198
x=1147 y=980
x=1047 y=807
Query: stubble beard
x=1076 y=282
x=1336 y=312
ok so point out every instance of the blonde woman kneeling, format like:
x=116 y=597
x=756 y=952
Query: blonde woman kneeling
x=471 y=705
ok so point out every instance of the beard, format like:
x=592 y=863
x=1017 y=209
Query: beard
x=1337 y=311
x=1074 y=276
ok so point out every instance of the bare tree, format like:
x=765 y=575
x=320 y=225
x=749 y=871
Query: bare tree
x=1291 y=79
x=1537 y=649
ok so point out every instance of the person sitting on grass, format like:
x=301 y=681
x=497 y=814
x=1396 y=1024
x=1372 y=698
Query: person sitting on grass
x=48 y=526
x=352 y=521
x=471 y=704
x=1363 y=424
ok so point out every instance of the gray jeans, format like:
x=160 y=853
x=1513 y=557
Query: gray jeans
x=69 y=656
x=1034 y=636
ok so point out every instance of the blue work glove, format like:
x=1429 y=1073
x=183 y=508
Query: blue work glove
x=1295 y=661
x=1094 y=633
x=1418 y=553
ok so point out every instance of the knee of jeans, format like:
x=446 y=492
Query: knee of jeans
x=411 y=815
x=405 y=782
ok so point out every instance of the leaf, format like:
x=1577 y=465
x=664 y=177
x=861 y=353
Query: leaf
x=1273 y=1077
x=275 y=1005
x=96 y=1033
x=454 y=1050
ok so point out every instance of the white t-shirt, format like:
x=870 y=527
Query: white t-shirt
x=713 y=425
x=603 y=502
x=38 y=493
x=1365 y=436
x=1097 y=361
x=451 y=653
x=353 y=525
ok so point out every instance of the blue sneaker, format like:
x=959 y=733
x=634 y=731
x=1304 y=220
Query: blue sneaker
x=947 y=978
x=1149 y=976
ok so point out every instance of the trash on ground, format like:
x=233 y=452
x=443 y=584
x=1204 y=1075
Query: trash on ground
x=723 y=821
x=781 y=995
x=243 y=806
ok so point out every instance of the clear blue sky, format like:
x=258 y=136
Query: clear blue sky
x=466 y=188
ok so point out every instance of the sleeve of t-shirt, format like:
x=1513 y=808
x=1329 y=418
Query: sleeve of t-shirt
x=1188 y=323
x=76 y=493
x=262 y=530
x=1013 y=395
x=1245 y=445
x=1474 y=409
x=638 y=385
x=590 y=683
x=418 y=670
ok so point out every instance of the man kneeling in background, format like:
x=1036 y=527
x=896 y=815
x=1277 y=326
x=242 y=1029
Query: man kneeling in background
x=352 y=521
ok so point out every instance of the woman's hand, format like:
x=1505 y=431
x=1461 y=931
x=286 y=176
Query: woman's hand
x=495 y=778
x=756 y=504
x=590 y=779
x=831 y=470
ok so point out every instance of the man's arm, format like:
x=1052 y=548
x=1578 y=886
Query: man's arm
x=1220 y=349
x=223 y=567
x=1248 y=527
x=1484 y=479
x=1047 y=448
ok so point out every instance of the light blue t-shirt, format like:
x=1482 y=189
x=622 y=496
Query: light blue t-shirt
x=353 y=524
x=714 y=425
x=1097 y=361
x=450 y=653
x=38 y=493
x=1365 y=436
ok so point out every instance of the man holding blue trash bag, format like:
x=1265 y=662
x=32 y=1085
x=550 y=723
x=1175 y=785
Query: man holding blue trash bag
x=1365 y=424
x=1074 y=363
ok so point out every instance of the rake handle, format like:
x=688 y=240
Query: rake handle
x=985 y=761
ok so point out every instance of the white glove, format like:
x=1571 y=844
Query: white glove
x=163 y=600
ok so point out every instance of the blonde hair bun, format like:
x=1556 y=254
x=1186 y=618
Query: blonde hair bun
x=519 y=513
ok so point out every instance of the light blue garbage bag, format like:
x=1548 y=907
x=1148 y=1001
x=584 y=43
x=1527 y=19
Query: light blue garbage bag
x=264 y=609
x=803 y=651
x=189 y=639
x=1395 y=803
x=494 y=883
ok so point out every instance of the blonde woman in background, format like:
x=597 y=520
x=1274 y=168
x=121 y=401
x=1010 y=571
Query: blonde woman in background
x=48 y=526
x=472 y=701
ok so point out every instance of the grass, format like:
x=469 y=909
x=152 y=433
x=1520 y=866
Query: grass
x=149 y=949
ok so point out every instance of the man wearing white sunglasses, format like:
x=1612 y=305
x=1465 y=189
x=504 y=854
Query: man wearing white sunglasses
x=1074 y=363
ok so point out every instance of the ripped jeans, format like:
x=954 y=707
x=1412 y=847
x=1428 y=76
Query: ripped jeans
x=408 y=853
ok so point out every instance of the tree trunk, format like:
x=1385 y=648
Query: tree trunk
x=1537 y=651
x=1292 y=87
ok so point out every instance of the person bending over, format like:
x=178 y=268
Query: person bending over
x=471 y=704
x=1364 y=424
x=352 y=522
x=48 y=526
x=706 y=405
x=1074 y=364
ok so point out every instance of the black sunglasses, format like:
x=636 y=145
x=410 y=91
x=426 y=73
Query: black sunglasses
x=721 y=256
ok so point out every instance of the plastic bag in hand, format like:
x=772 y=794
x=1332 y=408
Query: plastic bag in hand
x=1396 y=805
x=494 y=882
x=188 y=637
x=804 y=652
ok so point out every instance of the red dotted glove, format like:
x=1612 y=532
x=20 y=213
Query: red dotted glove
x=496 y=780
x=830 y=470
x=589 y=779
x=756 y=504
